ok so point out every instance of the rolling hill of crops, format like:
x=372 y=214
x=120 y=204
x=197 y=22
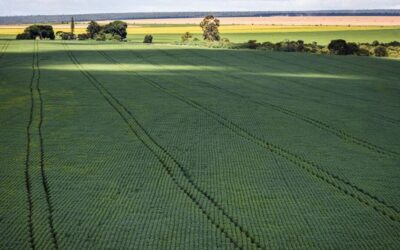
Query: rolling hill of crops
x=126 y=146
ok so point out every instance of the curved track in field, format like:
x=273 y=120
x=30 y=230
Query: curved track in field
x=36 y=98
x=213 y=211
x=340 y=133
x=312 y=168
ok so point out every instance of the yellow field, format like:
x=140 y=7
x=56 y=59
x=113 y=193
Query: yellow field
x=13 y=30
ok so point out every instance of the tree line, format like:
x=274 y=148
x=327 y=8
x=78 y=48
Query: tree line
x=115 y=30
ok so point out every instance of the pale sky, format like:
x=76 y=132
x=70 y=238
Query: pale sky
x=35 y=7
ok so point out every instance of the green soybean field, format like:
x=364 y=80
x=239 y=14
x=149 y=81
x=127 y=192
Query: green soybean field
x=109 y=145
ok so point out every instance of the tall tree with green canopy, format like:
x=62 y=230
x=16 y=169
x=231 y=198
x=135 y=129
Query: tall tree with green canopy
x=93 y=29
x=72 y=25
x=116 y=29
x=210 y=26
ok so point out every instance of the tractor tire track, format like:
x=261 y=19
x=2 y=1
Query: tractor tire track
x=310 y=120
x=312 y=168
x=174 y=169
x=4 y=48
x=45 y=182
x=28 y=184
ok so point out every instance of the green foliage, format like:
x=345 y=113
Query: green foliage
x=210 y=26
x=93 y=29
x=375 y=43
x=186 y=37
x=338 y=47
x=40 y=31
x=168 y=147
x=101 y=36
x=380 y=51
x=117 y=29
x=83 y=36
x=353 y=48
x=148 y=39
x=66 y=35
x=72 y=25
x=290 y=46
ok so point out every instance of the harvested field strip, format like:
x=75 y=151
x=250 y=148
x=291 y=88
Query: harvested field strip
x=312 y=168
x=214 y=212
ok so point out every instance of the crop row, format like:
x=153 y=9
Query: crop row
x=292 y=62
x=314 y=169
x=313 y=121
x=213 y=211
x=309 y=120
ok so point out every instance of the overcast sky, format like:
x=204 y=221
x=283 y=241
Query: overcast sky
x=34 y=7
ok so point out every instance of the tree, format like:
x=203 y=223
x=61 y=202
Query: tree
x=186 y=37
x=41 y=31
x=380 y=51
x=72 y=25
x=148 y=39
x=338 y=47
x=93 y=29
x=116 y=28
x=210 y=26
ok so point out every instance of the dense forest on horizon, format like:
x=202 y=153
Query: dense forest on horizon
x=151 y=15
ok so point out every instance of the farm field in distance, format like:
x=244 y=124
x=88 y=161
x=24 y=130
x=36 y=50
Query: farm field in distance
x=123 y=145
x=241 y=29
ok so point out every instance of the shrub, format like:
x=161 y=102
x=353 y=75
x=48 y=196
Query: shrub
x=267 y=46
x=186 y=37
x=338 y=47
x=375 y=43
x=196 y=39
x=100 y=36
x=352 y=49
x=148 y=39
x=23 y=36
x=83 y=36
x=380 y=51
x=67 y=36
x=364 y=51
x=290 y=46
x=252 y=44
x=394 y=44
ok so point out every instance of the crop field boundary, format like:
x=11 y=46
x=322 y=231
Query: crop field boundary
x=312 y=168
x=317 y=123
x=174 y=170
